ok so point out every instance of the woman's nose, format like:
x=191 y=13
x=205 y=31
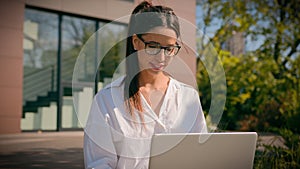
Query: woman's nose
x=160 y=57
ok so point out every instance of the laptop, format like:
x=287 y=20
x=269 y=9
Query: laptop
x=203 y=151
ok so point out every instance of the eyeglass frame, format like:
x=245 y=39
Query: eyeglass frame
x=159 y=45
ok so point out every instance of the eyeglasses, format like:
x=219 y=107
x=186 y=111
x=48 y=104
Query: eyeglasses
x=153 y=48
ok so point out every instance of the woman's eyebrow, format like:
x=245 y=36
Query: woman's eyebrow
x=154 y=42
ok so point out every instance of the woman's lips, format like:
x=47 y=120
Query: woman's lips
x=157 y=67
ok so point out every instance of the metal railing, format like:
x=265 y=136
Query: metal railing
x=38 y=82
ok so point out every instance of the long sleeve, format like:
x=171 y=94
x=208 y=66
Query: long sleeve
x=99 y=150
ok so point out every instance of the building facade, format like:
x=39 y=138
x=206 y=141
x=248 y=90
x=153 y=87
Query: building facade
x=40 y=44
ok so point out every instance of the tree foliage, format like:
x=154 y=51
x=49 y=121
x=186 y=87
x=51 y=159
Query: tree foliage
x=263 y=83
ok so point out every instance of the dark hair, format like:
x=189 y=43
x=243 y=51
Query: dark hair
x=144 y=18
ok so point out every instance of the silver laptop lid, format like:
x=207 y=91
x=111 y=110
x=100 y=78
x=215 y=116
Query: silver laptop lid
x=208 y=151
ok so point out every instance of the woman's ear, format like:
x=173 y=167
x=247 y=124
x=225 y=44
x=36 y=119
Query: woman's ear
x=135 y=42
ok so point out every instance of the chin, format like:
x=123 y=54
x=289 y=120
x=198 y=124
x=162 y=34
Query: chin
x=153 y=71
x=156 y=71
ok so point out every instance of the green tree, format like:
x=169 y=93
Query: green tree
x=263 y=82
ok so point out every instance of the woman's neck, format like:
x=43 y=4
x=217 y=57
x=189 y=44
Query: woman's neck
x=158 y=81
x=153 y=87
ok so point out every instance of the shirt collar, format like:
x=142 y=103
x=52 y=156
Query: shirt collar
x=119 y=81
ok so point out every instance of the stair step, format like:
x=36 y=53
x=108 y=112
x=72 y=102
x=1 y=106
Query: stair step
x=29 y=109
x=44 y=101
x=52 y=94
x=68 y=91
x=38 y=103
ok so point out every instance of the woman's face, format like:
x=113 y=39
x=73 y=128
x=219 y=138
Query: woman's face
x=151 y=57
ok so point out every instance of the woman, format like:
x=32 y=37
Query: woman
x=147 y=101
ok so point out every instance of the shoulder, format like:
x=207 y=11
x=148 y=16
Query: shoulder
x=183 y=86
x=115 y=83
x=187 y=94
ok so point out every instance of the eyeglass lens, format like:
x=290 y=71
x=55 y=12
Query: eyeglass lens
x=153 y=48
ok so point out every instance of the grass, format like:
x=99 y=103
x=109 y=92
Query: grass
x=272 y=156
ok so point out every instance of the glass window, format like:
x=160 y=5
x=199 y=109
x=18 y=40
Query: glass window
x=41 y=31
x=75 y=32
x=111 y=35
x=40 y=39
x=40 y=45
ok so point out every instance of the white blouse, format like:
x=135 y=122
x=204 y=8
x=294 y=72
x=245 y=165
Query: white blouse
x=115 y=139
